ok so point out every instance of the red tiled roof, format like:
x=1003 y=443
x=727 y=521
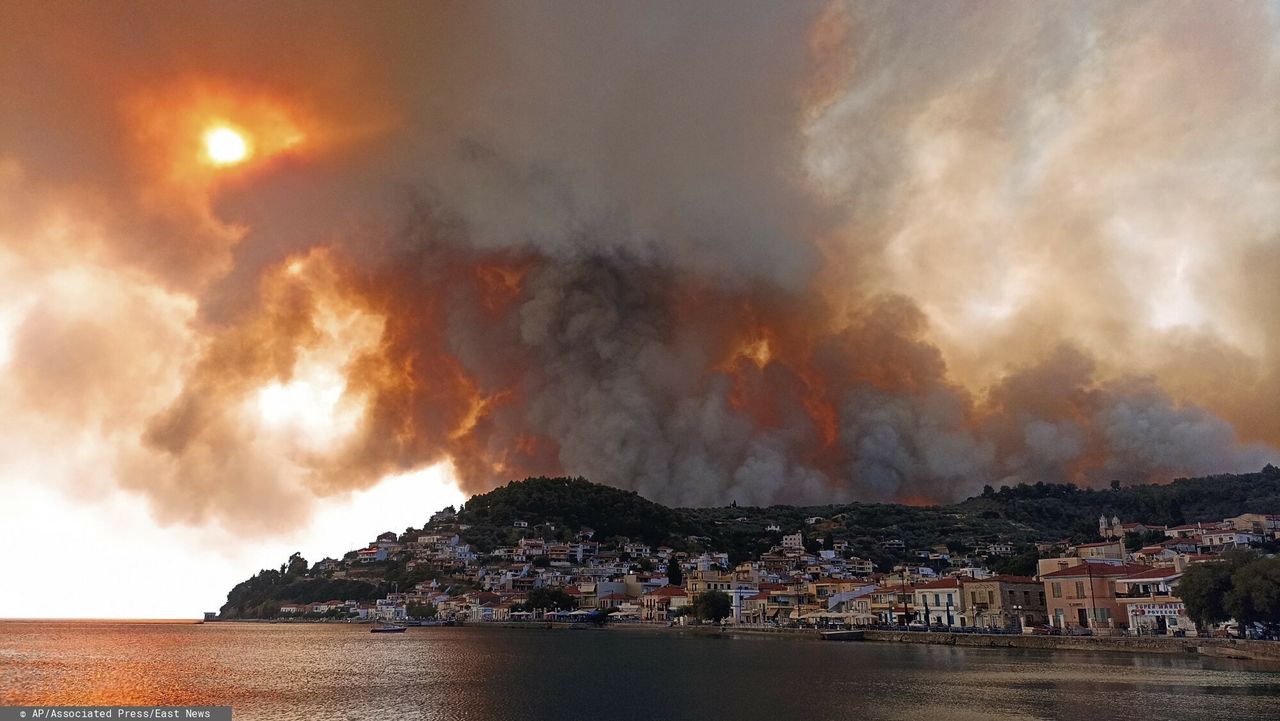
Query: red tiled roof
x=1094 y=569
x=1004 y=579
x=942 y=583
x=614 y=597
x=668 y=591
x=1158 y=572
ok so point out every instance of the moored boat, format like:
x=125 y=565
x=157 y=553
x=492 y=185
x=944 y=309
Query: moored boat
x=388 y=628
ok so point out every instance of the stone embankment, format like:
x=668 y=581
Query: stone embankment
x=1217 y=647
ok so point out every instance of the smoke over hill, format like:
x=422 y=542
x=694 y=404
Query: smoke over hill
x=800 y=253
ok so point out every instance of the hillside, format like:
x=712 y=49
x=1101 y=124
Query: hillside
x=1066 y=511
x=568 y=504
x=560 y=508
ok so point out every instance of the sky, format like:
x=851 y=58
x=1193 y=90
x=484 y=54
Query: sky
x=278 y=277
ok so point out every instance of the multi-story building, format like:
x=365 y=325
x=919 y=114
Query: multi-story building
x=1004 y=602
x=1113 y=550
x=1084 y=596
x=940 y=603
x=1151 y=603
x=660 y=603
x=1265 y=524
x=1230 y=538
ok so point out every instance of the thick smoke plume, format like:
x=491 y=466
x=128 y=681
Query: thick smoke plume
x=798 y=252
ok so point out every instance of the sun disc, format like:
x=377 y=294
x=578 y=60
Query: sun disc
x=225 y=146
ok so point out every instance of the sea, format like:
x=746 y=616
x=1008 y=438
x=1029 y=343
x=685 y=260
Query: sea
x=341 y=671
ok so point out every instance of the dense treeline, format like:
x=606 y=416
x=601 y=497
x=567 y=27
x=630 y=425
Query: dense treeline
x=1067 y=511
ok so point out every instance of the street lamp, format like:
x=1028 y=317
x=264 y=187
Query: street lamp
x=1017 y=614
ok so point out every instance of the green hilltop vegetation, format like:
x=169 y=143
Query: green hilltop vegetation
x=261 y=595
x=560 y=508
x=1067 y=511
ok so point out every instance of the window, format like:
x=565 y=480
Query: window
x=1079 y=589
x=1057 y=590
x=937 y=600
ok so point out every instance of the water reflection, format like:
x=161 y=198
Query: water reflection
x=281 y=671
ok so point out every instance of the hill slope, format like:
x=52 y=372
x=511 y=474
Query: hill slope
x=559 y=508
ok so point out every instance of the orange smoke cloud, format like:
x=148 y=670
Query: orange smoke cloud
x=813 y=253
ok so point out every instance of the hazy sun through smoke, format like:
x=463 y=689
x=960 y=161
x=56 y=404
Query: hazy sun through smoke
x=225 y=146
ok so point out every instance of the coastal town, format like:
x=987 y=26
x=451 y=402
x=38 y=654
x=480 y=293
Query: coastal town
x=1123 y=582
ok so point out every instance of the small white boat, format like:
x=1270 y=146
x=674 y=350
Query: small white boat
x=388 y=628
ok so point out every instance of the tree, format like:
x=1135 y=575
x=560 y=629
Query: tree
x=713 y=605
x=1254 y=596
x=1022 y=564
x=295 y=566
x=675 y=576
x=1204 y=587
x=424 y=610
x=554 y=599
x=1134 y=541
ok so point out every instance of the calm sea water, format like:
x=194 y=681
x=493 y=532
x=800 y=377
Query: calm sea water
x=279 y=671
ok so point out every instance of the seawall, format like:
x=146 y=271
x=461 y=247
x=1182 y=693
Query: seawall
x=1217 y=647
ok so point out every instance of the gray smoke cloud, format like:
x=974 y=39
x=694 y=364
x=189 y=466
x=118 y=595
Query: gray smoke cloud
x=763 y=252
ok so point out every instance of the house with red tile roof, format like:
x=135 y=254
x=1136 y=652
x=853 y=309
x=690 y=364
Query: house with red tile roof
x=660 y=603
x=940 y=603
x=1084 y=596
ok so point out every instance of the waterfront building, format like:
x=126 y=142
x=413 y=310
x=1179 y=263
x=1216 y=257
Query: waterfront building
x=660 y=603
x=1084 y=596
x=941 y=603
x=1151 y=602
x=1007 y=602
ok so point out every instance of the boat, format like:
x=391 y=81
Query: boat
x=388 y=628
